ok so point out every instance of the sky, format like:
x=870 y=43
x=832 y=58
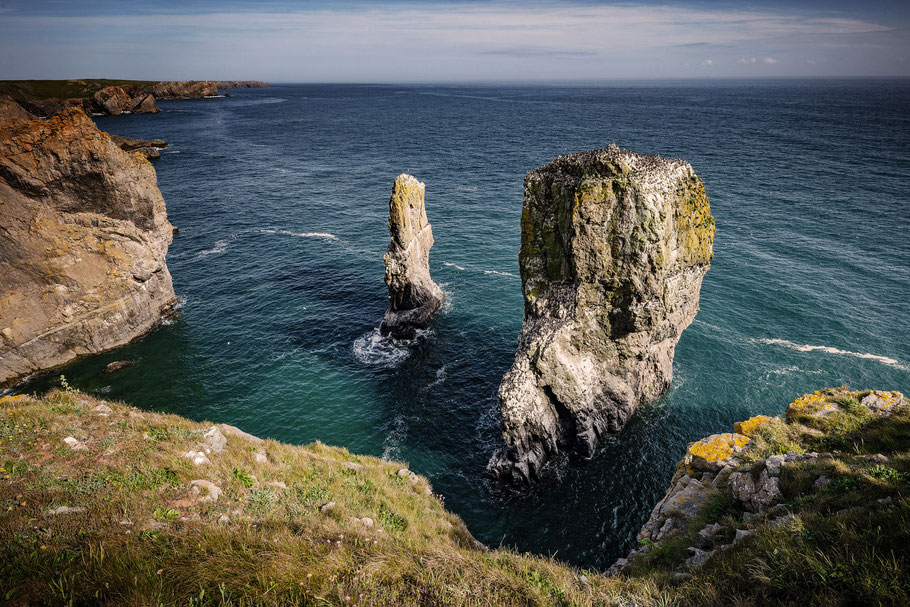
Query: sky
x=452 y=41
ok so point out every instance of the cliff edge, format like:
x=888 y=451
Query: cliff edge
x=85 y=234
x=614 y=246
x=413 y=296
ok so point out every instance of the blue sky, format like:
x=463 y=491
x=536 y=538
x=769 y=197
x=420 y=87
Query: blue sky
x=471 y=40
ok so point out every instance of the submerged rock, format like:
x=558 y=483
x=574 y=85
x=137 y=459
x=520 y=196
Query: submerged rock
x=148 y=148
x=85 y=234
x=413 y=296
x=614 y=246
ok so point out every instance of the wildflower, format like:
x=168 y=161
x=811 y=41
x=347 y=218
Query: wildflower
x=159 y=572
x=43 y=547
x=309 y=575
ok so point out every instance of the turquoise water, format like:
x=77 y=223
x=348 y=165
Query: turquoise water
x=281 y=198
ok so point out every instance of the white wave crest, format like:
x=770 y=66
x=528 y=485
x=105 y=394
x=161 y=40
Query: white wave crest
x=219 y=248
x=807 y=348
x=452 y=265
x=497 y=272
x=376 y=350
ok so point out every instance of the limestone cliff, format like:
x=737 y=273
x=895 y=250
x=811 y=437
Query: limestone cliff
x=183 y=89
x=614 y=246
x=413 y=296
x=240 y=84
x=84 y=237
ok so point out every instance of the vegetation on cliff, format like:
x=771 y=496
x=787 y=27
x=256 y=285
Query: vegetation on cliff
x=105 y=504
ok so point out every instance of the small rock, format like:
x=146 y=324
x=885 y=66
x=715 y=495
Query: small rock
x=742 y=534
x=190 y=517
x=327 y=507
x=103 y=410
x=748 y=516
x=405 y=472
x=74 y=444
x=212 y=491
x=877 y=458
x=617 y=567
x=698 y=558
x=821 y=482
x=786 y=518
x=666 y=528
x=136 y=415
x=238 y=433
x=885 y=501
x=198 y=457
x=117 y=365
x=214 y=439
x=260 y=457
x=365 y=521
x=276 y=484
x=66 y=509
x=224 y=519
x=353 y=466
x=708 y=532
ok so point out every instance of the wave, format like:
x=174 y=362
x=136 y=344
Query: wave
x=377 y=350
x=500 y=273
x=219 y=248
x=452 y=265
x=441 y=376
x=828 y=349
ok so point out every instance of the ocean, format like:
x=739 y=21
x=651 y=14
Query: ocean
x=281 y=198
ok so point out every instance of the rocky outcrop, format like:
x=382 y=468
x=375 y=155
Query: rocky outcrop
x=739 y=475
x=10 y=110
x=614 y=246
x=84 y=237
x=183 y=89
x=413 y=296
x=115 y=100
x=148 y=148
x=240 y=84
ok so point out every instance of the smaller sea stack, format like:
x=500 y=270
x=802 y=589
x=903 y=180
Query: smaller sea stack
x=413 y=296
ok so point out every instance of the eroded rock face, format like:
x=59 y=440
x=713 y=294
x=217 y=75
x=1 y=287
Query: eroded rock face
x=614 y=248
x=183 y=89
x=413 y=296
x=85 y=233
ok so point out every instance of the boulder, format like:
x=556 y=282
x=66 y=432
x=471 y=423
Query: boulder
x=614 y=246
x=111 y=100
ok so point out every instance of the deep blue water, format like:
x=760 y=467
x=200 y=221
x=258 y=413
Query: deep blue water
x=281 y=198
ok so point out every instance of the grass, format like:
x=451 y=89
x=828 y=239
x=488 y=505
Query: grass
x=145 y=538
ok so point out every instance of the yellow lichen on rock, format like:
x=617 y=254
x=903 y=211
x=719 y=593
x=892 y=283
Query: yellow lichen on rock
x=708 y=453
x=751 y=425
x=808 y=404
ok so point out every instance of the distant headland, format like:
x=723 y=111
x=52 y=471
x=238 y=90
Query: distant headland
x=111 y=97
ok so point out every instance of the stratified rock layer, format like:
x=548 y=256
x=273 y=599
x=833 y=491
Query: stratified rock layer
x=85 y=233
x=413 y=296
x=614 y=246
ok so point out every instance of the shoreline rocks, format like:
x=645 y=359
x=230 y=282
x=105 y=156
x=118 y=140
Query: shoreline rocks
x=86 y=234
x=614 y=248
x=413 y=296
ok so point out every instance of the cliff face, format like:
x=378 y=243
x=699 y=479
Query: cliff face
x=183 y=89
x=240 y=84
x=85 y=233
x=614 y=249
x=413 y=296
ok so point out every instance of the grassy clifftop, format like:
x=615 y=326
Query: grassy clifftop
x=65 y=89
x=101 y=503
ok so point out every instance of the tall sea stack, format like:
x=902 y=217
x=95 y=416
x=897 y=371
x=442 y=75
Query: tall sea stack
x=614 y=246
x=84 y=238
x=413 y=296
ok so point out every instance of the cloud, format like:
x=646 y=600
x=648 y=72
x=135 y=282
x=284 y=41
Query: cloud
x=417 y=41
